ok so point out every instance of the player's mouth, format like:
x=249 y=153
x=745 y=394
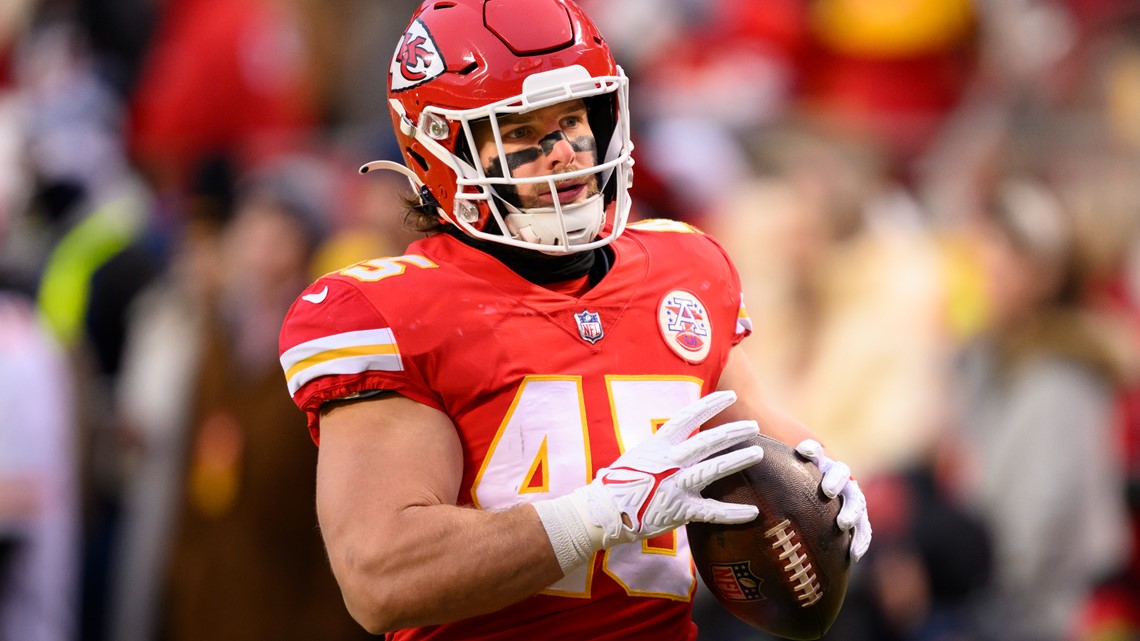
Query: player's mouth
x=568 y=192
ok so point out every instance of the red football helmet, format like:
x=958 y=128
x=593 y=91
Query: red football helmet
x=462 y=61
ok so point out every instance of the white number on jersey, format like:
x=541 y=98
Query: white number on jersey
x=542 y=450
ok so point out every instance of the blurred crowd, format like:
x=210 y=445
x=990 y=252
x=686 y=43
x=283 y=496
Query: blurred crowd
x=934 y=206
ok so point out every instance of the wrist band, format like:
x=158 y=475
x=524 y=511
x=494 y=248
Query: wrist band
x=569 y=531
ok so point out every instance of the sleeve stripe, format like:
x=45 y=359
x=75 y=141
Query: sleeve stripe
x=347 y=353
x=344 y=352
x=341 y=366
x=743 y=322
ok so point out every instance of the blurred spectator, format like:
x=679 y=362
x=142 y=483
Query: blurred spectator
x=221 y=78
x=371 y=226
x=712 y=72
x=708 y=72
x=350 y=42
x=89 y=205
x=39 y=502
x=39 y=485
x=14 y=17
x=888 y=68
x=153 y=394
x=77 y=241
x=1104 y=94
x=1036 y=425
x=805 y=126
x=119 y=32
x=1113 y=610
x=935 y=561
x=829 y=250
x=240 y=557
x=14 y=186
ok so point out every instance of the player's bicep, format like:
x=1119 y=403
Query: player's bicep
x=377 y=458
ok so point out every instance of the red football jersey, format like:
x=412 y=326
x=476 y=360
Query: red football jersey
x=544 y=389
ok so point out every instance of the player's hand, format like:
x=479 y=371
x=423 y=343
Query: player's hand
x=837 y=481
x=655 y=486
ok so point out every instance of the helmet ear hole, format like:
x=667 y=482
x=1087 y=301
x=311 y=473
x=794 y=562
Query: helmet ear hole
x=419 y=160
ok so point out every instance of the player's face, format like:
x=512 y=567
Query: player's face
x=553 y=140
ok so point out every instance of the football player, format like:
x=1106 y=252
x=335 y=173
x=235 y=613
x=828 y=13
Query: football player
x=515 y=417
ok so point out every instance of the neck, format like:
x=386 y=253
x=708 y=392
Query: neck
x=539 y=268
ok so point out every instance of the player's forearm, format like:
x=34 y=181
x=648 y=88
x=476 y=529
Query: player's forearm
x=773 y=422
x=440 y=563
x=752 y=405
x=389 y=472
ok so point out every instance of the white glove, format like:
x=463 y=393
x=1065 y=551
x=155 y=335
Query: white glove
x=655 y=486
x=837 y=481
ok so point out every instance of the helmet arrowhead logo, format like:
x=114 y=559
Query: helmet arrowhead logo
x=413 y=56
x=417 y=59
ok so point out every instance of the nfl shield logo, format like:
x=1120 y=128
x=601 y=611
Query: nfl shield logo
x=736 y=582
x=589 y=326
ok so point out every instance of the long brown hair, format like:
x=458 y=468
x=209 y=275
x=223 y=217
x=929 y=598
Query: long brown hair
x=420 y=214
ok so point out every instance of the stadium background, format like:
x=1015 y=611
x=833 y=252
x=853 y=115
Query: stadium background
x=172 y=172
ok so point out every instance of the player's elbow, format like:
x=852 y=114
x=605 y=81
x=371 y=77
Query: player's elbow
x=374 y=599
x=366 y=617
x=374 y=612
x=371 y=616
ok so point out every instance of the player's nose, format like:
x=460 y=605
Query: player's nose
x=556 y=148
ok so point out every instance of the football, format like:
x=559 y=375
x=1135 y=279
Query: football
x=786 y=572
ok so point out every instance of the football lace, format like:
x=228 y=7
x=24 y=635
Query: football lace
x=799 y=569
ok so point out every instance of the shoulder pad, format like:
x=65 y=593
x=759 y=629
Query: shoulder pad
x=378 y=269
x=665 y=225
